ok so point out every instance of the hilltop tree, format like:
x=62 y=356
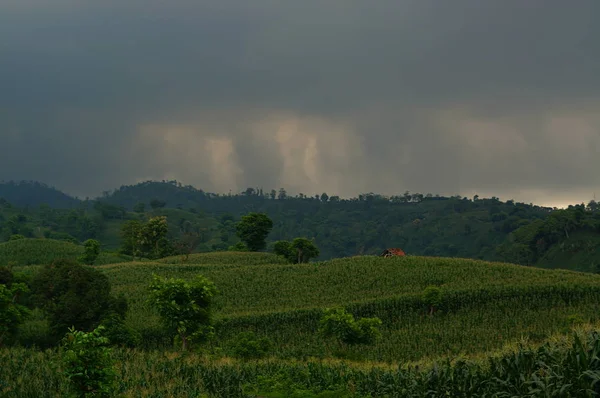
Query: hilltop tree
x=185 y=307
x=253 y=230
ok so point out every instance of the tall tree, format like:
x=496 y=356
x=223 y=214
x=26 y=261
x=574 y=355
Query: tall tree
x=253 y=230
x=185 y=307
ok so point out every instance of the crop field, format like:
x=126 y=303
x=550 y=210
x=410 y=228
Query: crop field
x=565 y=366
x=485 y=308
x=486 y=305
x=44 y=251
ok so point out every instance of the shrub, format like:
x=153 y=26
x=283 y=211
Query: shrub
x=118 y=333
x=342 y=325
x=248 y=346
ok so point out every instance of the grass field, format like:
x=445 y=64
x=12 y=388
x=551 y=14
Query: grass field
x=486 y=307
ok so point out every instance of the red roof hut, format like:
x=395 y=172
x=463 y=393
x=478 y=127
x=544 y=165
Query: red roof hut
x=393 y=252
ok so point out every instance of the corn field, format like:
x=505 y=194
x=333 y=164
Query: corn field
x=485 y=308
x=566 y=368
x=23 y=252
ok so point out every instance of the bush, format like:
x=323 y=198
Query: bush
x=118 y=333
x=342 y=325
x=248 y=346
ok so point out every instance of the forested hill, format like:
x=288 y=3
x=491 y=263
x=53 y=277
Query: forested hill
x=421 y=224
x=33 y=193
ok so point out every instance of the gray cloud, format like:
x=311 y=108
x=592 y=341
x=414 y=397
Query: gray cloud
x=500 y=97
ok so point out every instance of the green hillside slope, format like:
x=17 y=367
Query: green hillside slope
x=485 y=306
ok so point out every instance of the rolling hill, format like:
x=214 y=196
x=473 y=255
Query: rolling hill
x=485 y=306
x=487 y=310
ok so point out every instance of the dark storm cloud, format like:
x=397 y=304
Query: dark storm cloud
x=496 y=97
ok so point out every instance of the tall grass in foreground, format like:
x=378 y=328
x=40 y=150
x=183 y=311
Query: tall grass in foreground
x=567 y=369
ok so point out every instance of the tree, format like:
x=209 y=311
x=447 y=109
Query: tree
x=304 y=249
x=74 y=295
x=186 y=244
x=91 y=252
x=88 y=364
x=157 y=204
x=282 y=195
x=253 y=229
x=139 y=207
x=283 y=248
x=433 y=297
x=12 y=314
x=153 y=238
x=300 y=250
x=130 y=238
x=184 y=307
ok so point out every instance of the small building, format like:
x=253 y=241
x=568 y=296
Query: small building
x=393 y=252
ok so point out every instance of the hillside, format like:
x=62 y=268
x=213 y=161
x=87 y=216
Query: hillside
x=44 y=251
x=488 y=310
x=427 y=225
x=421 y=224
x=33 y=194
x=486 y=305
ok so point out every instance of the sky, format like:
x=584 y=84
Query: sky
x=496 y=98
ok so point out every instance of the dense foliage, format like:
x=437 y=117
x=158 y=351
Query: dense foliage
x=74 y=295
x=420 y=224
x=88 y=364
x=185 y=308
